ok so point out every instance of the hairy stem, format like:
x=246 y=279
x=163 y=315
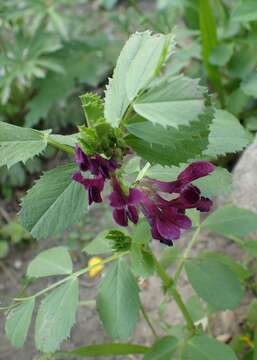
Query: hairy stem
x=147 y=319
x=76 y=275
x=169 y=285
x=186 y=254
x=65 y=148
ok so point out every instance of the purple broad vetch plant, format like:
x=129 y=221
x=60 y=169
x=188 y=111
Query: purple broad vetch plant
x=167 y=218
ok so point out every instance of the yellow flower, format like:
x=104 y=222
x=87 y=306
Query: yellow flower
x=248 y=341
x=96 y=264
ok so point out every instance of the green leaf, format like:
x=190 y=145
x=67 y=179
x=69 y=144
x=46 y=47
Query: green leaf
x=240 y=270
x=4 y=248
x=162 y=349
x=18 y=322
x=118 y=301
x=146 y=65
x=54 y=203
x=251 y=247
x=245 y=10
x=142 y=262
x=230 y=221
x=19 y=144
x=227 y=135
x=69 y=140
x=116 y=99
x=173 y=101
x=249 y=85
x=137 y=64
x=100 y=245
x=108 y=4
x=217 y=183
x=196 y=308
x=169 y=146
x=56 y=316
x=221 y=54
x=215 y=283
x=141 y=233
x=204 y=347
x=111 y=349
x=55 y=261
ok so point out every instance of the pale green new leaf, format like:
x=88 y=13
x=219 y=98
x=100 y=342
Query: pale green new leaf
x=147 y=63
x=231 y=221
x=215 y=283
x=139 y=62
x=56 y=316
x=173 y=101
x=245 y=10
x=55 y=261
x=203 y=347
x=18 y=322
x=116 y=99
x=118 y=301
x=19 y=144
x=54 y=203
x=249 y=85
x=227 y=135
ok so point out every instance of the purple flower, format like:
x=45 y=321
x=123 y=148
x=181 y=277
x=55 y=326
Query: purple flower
x=96 y=164
x=166 y=222
x=125 y=205
x=94 y=186
x=189 y=195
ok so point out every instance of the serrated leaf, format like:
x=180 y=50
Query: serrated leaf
x=203 y=347
x=55 y=261
x=174 y=101
x=162 y=349
x=230 y=221
x=169 y=146
x=18 y=322
x=227 y=135
x=147 y=63
x=245 y=10
x=19 y=144
x=139 y=60
x=116 y=99
x=214 y=282
x=249 y=85
x=56 y=316
x=118 y=301
x=54 y=203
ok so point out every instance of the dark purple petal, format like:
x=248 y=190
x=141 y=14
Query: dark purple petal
x=204 y=204
x=167 y=229
x=181 y=220
x=82 y=159
x=94 y=195
x=120 y=217
x=190 y=195
x=132 y=214
x=77 y=176
x=195 y=171
x=167 y=187
x=117 y=200
x=135 y=196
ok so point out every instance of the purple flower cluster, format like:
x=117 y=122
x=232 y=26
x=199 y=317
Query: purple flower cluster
x=100 y=168
x=167 y=218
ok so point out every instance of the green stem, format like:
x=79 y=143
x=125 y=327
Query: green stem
x=169 y=284
x=147 y=319
x=186 y=254
x=76 y=275
x=65 y=148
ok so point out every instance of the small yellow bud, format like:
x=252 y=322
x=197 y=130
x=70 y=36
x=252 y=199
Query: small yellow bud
x=247 y=340
x=96 y=264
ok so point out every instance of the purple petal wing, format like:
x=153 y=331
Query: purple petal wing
x=204 y=204
x=132 y=214
x=120 y=217
x=195 y=171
